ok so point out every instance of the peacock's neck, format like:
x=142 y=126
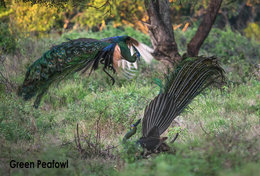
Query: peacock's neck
x=129 y=134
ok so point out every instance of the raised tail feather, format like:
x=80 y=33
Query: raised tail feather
x=63 y=60
x=32 y=87
x=182 y=86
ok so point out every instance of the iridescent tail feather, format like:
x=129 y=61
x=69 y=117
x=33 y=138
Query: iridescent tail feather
x=189 y=79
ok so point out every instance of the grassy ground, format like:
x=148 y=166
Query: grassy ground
x=219 y=132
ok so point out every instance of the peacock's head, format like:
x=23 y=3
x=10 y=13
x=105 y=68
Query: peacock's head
x=125 y=44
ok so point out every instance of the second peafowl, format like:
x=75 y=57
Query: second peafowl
x=181 y=86
x=80 y=55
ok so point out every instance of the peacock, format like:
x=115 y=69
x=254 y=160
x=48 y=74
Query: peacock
x=81 y=55
x=189 y=79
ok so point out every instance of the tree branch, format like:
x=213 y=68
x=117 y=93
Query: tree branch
x=204 y=28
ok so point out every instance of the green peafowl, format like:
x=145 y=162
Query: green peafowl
x=80 y=55
x=189 y=79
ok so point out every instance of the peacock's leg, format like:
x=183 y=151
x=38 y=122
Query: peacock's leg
x=113 y=80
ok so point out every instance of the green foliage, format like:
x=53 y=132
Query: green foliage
x=197 y=153
x=251 y=169
x=34 y=18
x=253 y=31
x=5 y=13
x=239 y=55
x=40 y=17
x=120 y=12
x=7 y=40
x=109 y=31
x=130 y=151
x=216 y=140
x=56 y=3
x=87 y=92
x=222 y=43
x=20 y=121
x=228 y=44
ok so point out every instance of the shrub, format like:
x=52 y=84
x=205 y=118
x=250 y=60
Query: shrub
x=253 y=31
x=7 y=40
x=224 y=44
x=238 y=55
x=36 y=18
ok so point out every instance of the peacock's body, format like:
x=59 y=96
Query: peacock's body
x=80 y=55
x=188 y=80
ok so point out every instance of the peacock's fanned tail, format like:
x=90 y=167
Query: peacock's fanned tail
x=188 y=80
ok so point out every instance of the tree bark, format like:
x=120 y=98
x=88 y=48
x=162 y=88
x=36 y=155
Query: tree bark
x=204 y=28
x=161 y=31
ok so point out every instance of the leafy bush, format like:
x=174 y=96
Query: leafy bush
x=36 y=18
x=225 y=44
x=110 y=31
x=7 y=40
x=253 y=31
x=98 y=13
x=238 y=55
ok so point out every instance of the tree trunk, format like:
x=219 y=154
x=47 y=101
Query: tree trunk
x=204 y=28
x=161 y=31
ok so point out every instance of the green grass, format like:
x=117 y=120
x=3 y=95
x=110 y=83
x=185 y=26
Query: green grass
x=219 y=135
x=218 y=132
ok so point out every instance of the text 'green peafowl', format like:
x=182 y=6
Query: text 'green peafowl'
x=80 y=55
